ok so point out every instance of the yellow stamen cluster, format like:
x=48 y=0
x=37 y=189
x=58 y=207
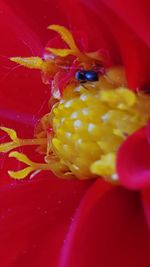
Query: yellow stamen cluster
x=91 y=122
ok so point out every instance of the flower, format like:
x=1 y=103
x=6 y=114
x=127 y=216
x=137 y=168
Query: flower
x=48 y=221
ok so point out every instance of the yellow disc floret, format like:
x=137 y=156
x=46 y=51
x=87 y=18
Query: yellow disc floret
x=90 y=124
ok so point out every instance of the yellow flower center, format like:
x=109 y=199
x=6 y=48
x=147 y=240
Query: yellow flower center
x=90 y=123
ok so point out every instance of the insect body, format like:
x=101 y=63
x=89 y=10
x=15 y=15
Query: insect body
x=86 y=76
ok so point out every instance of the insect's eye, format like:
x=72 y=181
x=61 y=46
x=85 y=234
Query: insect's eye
x=91 y=76
x=80 y=75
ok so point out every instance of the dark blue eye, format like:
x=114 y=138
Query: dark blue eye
x=86 y=76
x=91 y=76
x=80 y=76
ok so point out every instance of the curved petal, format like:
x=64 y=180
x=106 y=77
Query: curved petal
x=113 y=233
x=133 y=48
x=34 y=218
x=17 y=35
x=133 y=163
x=135 y=14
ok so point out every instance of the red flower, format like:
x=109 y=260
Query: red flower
x=47 y=221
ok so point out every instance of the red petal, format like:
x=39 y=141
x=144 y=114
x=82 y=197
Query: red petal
x=17 y=35
x=34 y=218
x=135 y=14
x=22 y=91
x=112 y=233
x=94 y=31
x=38 y=15
x=133 y=162
x=133 y=48
x=146 y=204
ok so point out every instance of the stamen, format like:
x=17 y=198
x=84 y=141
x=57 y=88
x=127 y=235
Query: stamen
x=33 y=166
x=11 y=133
x=17 y=142
x=47 y=67
x=5 y=147
x=69 y=40
x=66 y=35
x=29 y=62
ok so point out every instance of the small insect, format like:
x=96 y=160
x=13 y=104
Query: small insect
x=84 y=76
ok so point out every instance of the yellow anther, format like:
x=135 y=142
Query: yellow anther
x=24 y=172
x=17 y=142
x=18 y=175
x=11 y=133
x=46 y=66
x=66 y=35
x=32 y=166
x=29 y=62
x=21 y=157
x=5 y=147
